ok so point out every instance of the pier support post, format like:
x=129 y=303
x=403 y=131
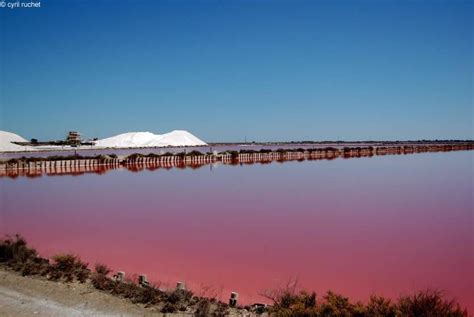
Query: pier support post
x=234 y=296
x=120 y=276
x=142 y=280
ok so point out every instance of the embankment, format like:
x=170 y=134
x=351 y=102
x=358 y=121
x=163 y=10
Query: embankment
x=77 y=165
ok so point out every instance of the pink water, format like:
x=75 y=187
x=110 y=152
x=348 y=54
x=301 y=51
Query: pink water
x=387 y=225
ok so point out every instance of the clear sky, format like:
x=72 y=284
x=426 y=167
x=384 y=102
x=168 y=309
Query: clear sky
x=226 y=70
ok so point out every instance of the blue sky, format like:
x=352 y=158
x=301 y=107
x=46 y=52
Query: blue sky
x=226 y=70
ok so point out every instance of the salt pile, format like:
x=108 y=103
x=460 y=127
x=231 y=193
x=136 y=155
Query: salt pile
x=125 y=140
x=6 y=139
x=148 y=139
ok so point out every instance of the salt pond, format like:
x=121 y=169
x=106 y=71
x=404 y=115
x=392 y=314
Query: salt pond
x=386 y=225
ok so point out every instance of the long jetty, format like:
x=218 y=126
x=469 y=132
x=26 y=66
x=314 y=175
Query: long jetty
x=76 y=165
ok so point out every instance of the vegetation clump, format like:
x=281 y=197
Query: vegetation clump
x=288 y=302
x=233 y=154
x=68 y=267
x=194 y=153
x=248 y=151
x=429 y=303
x=134 y=156
x=15 y=254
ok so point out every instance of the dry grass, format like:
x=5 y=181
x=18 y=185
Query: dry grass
x=289 y=302
x=68 y=267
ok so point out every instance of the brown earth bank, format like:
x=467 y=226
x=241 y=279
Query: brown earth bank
x=29 y=296
x=65 y=286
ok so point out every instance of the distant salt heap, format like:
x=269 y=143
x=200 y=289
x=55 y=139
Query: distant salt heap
x=148 y=139
x=132 y=139
x=6 y=139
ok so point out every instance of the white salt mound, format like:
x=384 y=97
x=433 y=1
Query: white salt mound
x=6 y=139
x=148 y=139
x=131 y=139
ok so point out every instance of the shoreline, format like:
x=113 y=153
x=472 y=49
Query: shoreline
x=76 y=164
